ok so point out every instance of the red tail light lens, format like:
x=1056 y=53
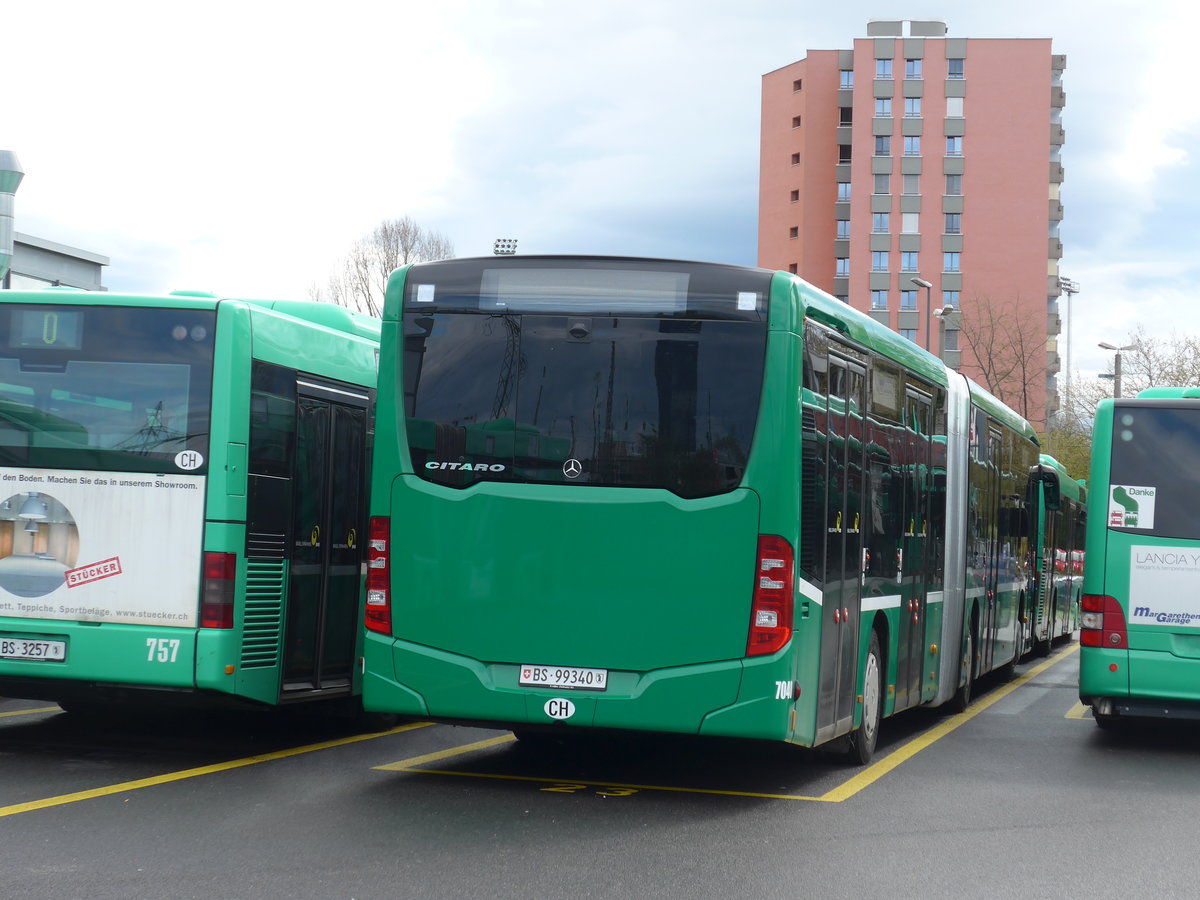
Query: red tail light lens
x=216 y=596
x=378 y=615
x=771 y=612
x=1102 y=623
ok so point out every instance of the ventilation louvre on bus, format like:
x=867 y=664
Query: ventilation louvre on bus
x=378 y=615
x=1102 y=623
x=216 y=599
x=771 y=613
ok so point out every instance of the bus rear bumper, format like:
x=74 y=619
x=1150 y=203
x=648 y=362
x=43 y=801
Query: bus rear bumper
x=1139 y=683
x=732 y=697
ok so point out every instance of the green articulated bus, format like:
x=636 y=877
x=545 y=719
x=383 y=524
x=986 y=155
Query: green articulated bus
x=681 y=497
x=1058 y=569
x=1140 y=630
x=183 y=509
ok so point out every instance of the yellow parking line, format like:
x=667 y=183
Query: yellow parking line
x=845 y=791
x=1078 y=711
x=140 y=783
x=874 y=772
x=30 y=712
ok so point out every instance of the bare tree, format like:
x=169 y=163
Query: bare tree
x=1007 y=352
x=362 y=278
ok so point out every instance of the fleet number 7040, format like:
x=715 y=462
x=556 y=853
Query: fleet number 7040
x=162 y=649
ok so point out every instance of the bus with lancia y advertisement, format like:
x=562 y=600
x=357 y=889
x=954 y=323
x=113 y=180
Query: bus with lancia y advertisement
x=1140 y=629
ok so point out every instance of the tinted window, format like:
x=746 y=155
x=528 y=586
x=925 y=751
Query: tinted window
x=104 y=387
x=1153 y=486
x=663 y=398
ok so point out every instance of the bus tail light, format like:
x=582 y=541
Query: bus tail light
x=771 y=612
x=1102 y=623
x=216 y=596
x=378 y=615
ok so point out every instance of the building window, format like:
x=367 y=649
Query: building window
x=883 y=183
x=912 y=107
x=912 y=145
x=951 y=262
x=954 y=107
x=845 y=115
x=797 y=84
x=879 y=299
x=883 y=68
x=912 y=184
x=844 y=298
x=908 y=299
x=950 y=298
x=795 y=159
x=950 y=340
x=953 y=223
x=843 y=193
x=844 y=153
x=793 y=268
x=795 y=121
x=843 y=266
x=954 y=146
x=909 y=334
x=843 y=229
x=794 y=232
x=883 y=107
x=909 y=223
x=795 y=196
x=953 y=185
x=847 y=76
x=954 y=68
x=880 y=222
x=912 y=68
x=883 y=145
x=908 y=261
x=879 y=260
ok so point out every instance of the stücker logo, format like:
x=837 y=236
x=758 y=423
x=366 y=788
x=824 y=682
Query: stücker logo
x=572 y=468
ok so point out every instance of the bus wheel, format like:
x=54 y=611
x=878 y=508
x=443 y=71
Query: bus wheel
x=862 y=742
x=962 y=697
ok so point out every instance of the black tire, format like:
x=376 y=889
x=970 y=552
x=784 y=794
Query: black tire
x=1009 y=669
x=962 y=697
x=866 y=736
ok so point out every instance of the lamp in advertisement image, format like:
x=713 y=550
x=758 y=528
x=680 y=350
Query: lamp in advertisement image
x=33 y=507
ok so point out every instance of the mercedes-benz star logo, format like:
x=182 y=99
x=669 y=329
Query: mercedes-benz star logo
x=572 y=468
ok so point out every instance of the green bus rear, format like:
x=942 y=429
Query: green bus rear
x=1059 y=545
x=184 y=506
x=1140 y=629
x=669 y=496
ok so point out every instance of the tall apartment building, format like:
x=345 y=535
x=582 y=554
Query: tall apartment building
x=919 y=171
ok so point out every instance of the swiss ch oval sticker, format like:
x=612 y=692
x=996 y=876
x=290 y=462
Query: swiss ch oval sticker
x=559 y=708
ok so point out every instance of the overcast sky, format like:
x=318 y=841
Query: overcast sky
x=244 y=147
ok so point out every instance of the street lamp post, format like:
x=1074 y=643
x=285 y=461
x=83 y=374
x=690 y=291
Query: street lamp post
x=921 y=282
x=1070 y=288
x=942 y=315
x=1116 y=365
x=11 y=174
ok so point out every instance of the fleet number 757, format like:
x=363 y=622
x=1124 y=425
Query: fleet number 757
x=162 y=649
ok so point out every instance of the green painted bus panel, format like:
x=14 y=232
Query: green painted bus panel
x=1103 y=672
x=108 y=652
x=629 y=580
x=447 y=685
x=764 y=702
x=381 y=687
x=216 y=650
x=313 y=348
